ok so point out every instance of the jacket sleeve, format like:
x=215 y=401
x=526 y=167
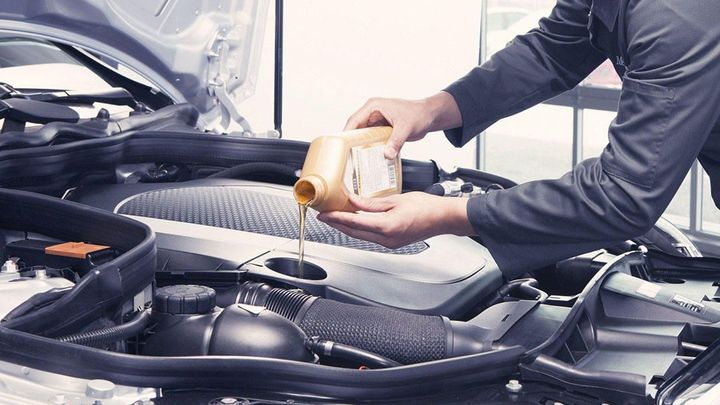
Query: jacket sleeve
x=532 y=68
x=669 y=104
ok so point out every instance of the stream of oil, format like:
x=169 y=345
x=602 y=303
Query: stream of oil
x=301 y=247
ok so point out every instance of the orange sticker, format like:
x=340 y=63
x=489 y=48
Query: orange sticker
x=77 y=250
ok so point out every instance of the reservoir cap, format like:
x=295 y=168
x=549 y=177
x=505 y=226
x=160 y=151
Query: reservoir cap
x=184 y=300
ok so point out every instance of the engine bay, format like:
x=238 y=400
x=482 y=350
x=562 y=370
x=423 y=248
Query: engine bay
x=166 y=257
x=223 y=285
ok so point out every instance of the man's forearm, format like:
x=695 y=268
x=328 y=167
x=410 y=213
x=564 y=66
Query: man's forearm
x=444 y=111
x=534 y=67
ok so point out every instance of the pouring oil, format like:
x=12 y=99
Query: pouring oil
x=301 y=240
x=338 y=165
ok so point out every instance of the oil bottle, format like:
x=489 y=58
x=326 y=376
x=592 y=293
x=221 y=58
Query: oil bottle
x=344 y=163
x=337 y=165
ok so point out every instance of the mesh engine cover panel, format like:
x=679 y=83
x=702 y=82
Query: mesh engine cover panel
x=401 y=336
x=245 y=210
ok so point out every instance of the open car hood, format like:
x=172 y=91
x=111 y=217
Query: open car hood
x=203 y=53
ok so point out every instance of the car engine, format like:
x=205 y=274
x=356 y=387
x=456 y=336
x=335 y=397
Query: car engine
x=166 y=251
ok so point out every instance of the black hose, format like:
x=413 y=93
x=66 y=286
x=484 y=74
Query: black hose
x=109 y=335
x=183 y=113
x=351 y=353
x=256 y=169
x=402 y=336
x=527 y=286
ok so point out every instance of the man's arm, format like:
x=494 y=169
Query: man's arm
x=534 y=67
x=669 y=104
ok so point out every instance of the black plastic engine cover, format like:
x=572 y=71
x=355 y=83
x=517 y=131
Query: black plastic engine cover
x=254 y=227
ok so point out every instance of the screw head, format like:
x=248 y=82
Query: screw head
x=9 y=267
x=513 y=386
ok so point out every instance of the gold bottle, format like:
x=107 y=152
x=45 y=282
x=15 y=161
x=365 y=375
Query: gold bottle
x=344 y=163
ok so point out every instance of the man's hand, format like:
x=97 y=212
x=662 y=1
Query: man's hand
x=411 y=119
x=399 y=220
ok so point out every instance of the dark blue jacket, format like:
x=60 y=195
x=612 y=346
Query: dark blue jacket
x=667 y=53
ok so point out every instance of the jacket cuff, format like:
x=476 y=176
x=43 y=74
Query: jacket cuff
x=469 y=111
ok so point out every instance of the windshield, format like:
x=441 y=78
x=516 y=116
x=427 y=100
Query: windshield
x=35 y=64
x=30 y=65
x=16 y=51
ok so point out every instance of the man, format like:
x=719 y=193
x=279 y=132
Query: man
x=668 y=54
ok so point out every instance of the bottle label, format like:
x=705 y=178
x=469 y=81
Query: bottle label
x=368 y=173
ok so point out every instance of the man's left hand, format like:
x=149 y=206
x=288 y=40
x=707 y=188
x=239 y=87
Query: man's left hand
x=399 y=220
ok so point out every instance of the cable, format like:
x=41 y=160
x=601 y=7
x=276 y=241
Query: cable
x=109 y=335
x=351 y=353
x=257 y=168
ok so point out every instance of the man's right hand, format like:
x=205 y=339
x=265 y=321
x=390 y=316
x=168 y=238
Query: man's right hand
x=411 y=119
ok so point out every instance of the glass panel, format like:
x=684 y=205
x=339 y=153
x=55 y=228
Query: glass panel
x=678 y=212
x=507 y=19
x=595 y=131
x=711 y=214
x=339 y=54
x=534 y=144
x=17 y=51
x=604 y=76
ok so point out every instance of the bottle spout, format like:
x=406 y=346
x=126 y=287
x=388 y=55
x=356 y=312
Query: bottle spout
x=309 y=191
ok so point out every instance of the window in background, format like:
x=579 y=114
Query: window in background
x=678 y=212
x=508 y=18
x=339 y=54
x=595 y=131
x=534 y=144
x=604 y=76
x=710 y=212
x=537 y=143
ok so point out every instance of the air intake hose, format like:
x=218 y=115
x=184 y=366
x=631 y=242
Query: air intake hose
x=402 y=336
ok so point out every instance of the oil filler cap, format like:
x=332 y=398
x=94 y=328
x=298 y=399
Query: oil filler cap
x=184 y=300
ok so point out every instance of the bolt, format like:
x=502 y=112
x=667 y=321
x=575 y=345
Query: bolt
x=513 y=386
x=9 y=267
x=41 y=274
x=100 y=389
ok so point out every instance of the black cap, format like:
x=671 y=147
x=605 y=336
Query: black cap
x=184 y=299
